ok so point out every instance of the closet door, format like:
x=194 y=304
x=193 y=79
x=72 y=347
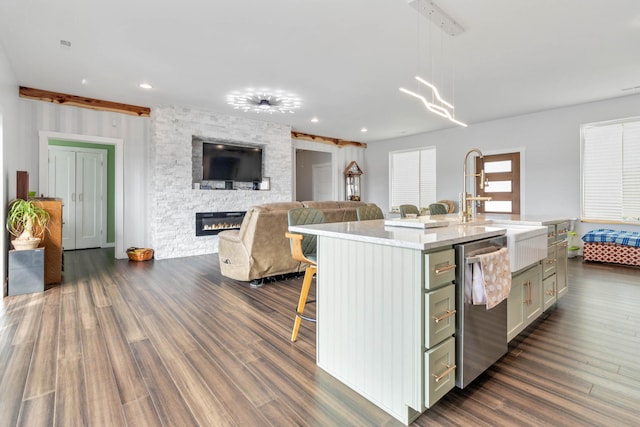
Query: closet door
x=78 y=177
x=62 y=184
x=88 y=200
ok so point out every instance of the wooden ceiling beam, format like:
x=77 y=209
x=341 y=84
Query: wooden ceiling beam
x=83 y=102
x=97 y=104
x=326 y=140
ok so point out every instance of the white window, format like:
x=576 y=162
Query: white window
x=412 y=177
x=610 y=155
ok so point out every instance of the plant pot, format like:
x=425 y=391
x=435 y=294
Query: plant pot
x=24 y=244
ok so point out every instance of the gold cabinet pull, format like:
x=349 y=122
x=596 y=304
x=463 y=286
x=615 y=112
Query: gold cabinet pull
x=449 y=313
x=445 y=269
x=564 y=244
x=527 y=299
x=551 y=261
x=450 y=368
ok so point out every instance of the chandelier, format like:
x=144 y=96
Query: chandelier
x=264 y=101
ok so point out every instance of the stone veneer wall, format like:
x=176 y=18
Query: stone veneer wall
x=174 y=203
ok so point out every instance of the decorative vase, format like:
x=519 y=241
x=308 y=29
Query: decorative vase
x=24 y=244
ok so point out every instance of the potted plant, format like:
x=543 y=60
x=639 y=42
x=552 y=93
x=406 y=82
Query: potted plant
x=27 y=222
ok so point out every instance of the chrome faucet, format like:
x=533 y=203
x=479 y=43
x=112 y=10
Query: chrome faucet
x=466 y=209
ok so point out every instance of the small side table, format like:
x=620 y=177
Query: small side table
x=26 y=271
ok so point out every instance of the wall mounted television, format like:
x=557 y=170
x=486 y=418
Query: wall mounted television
x=225 y=162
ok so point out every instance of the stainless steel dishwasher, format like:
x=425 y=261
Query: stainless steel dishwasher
x=481 y=334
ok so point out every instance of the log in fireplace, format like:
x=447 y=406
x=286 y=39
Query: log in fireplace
x=211 y=223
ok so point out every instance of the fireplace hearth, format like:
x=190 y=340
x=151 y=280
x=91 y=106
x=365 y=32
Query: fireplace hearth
x=212 y=223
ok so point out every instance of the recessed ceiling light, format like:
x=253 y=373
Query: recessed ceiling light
x=84 y=81
x=314 y=120
x=145 y=86
x=364 y=129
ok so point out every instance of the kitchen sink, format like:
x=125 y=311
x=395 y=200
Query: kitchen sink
x=527 y=244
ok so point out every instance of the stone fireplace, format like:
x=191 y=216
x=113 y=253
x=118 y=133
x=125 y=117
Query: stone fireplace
x=173 y=202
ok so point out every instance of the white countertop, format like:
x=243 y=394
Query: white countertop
x=509 y=219
x=376 y=232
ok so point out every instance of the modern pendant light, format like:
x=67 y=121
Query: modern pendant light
x=438 y=105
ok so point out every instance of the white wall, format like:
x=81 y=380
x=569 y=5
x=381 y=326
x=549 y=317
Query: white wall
x=11 y=155
x=38 y=116
x=341 y=157
x=305 y=162
x=550 y=145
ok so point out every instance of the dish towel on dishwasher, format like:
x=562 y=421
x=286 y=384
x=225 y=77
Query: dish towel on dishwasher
x=491 y=278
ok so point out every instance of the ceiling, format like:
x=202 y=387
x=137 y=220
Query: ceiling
x=346 y=60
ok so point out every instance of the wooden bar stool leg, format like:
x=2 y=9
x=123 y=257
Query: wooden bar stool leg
x=304 y=292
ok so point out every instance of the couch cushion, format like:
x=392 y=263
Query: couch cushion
x=278 y=206
x=351 y=204
x=328 y=204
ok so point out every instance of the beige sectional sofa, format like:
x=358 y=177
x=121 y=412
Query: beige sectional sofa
x=259 y=248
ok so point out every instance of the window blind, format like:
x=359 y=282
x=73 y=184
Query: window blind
x=631 y=172
x=412 y=177
x=611 y=172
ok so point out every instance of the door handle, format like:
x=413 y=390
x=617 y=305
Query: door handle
x=73 y=197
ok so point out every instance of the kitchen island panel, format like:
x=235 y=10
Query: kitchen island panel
x=370 y=313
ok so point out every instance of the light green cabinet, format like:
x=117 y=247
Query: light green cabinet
x=562 y=280
x=525 y=300
x=549 y=291
x=538 y=288
x=439 y=325
x=440 y=365
x=440 y=315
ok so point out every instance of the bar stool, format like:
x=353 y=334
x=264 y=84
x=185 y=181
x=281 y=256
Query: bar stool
x=303 y=249
x=366 y=213
x=408 y=210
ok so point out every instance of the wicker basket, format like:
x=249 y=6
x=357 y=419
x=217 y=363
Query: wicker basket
x=140 y=254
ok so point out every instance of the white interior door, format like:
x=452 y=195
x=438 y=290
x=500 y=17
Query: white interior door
x=78 y=177
x=62 y=184
x=88 y=200
x=322 y=182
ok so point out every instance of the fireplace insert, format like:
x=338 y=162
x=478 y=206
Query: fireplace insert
x=211 y=223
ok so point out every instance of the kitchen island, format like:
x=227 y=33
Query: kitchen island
x=386 y=301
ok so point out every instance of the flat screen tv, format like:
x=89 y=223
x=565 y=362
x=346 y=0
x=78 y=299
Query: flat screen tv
x=223 y=162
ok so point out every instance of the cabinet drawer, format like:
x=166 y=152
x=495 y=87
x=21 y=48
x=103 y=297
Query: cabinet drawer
x=440 y=268
x=440 y=315
x=551 y=234
x=549 y=291
x=549 y=263
x=561 y=230
x=440 y=371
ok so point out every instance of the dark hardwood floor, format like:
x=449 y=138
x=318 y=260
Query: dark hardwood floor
x=174 y=343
